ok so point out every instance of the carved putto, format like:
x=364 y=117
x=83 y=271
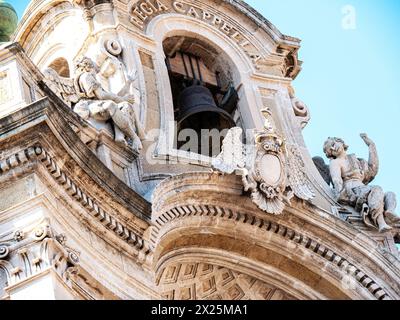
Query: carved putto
x=271 y=171
x=351 y=176
x=86 y=94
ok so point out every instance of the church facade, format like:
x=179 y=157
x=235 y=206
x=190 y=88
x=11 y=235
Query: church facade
x=153 y=149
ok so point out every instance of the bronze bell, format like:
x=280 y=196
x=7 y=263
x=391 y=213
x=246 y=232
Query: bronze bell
x=198 y=110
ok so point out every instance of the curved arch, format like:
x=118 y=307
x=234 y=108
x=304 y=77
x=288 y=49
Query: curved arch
x=167 y=25
x=61 y=16
x=35 y=10
x=33 y=13
x=264 y=254
x=55 y=52
x=230 y=260
x=204 y=214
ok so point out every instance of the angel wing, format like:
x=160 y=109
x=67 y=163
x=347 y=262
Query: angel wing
x=63 y=87
x=297 y=177
x=233 y=155
x=323 y=169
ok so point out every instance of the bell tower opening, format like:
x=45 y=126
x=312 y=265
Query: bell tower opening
x=204 y=97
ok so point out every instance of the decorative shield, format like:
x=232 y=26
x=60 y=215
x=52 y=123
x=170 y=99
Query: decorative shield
x=269 y=172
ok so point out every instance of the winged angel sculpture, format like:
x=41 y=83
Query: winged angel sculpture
x=90 y=100
x=351 y=178
x=272 y=171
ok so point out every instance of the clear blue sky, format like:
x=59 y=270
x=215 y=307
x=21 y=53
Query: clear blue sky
x=350 y=79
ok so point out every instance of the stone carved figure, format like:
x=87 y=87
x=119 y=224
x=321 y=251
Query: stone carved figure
x=351 y=177
x=102 y=105
x=91 y=101
x=271 y=171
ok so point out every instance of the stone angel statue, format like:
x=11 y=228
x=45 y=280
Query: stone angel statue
x=270 y=171
x=351 y=176
x=91 y=101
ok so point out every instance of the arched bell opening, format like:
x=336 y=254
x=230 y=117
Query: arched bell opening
x=61 y=66
x=204 y=94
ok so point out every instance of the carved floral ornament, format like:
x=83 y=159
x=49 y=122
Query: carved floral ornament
x=38 y=247
x=271 y=171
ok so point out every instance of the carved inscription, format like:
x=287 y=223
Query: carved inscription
x=142 y=12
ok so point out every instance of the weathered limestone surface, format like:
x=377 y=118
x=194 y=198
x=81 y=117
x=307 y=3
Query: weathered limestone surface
x=103 y=205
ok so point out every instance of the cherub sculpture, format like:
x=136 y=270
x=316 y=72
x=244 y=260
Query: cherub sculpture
x=351 y=177
x=91 y=101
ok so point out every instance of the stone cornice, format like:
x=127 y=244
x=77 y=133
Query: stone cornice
x=96 y=210
x=239 y=5
x=13 y=50
x=170 y=211
x=285 y=45
x=42 y=124
x=121 y=230
x=287 y=234
x=261 y=21
x=56 y=119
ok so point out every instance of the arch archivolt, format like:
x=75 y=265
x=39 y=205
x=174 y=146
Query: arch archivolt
x=283 y=256
x=55 y=52
x=218 y=274
x=37 y=38
x=143 y=13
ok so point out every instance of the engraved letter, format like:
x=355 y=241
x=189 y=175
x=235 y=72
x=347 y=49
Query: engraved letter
x=146 y=9
x=206 y=15
x=161 y=6
x=136 y=21
x=192 y=12
x=226 y=28
x=178 y=6
x=140 y=14
x=217 y=20
x=235 y=36
x=245 y=43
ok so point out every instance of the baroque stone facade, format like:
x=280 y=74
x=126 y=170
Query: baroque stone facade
x=110 y=188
